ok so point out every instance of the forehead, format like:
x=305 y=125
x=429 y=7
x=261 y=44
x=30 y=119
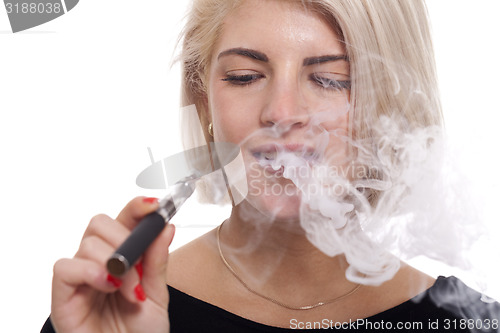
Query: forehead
x=278 y=26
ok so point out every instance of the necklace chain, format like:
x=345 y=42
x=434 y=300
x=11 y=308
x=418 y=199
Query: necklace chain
x=284 y=305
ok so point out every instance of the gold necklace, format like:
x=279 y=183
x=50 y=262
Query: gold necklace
x=290 y=307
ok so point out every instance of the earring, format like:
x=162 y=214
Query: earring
x=211 y=129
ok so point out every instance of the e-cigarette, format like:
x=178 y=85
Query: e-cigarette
x=150 y=227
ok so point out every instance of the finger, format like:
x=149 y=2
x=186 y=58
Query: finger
x=135 y=210
x=155 y=266
x=140 y=269
x=76 y=284
x=95 y=248
x=108 y=229
x=69 y=274
x=98 y=250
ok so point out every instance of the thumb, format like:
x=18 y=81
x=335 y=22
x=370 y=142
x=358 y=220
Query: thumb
x=155 y=266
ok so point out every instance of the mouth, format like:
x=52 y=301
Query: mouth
x=280 y=155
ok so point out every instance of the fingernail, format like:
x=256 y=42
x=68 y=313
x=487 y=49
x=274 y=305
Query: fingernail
x=150 y=200
x=114 y=281
x=139 y=269
x=139 y=293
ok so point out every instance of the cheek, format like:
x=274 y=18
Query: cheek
x=337 y=150
x=233 y=118
x=336 y=121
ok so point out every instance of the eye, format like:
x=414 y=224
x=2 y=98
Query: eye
x=331 y=81
x=243 y=79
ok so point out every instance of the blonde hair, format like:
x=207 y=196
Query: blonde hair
x=388 y=44
x=201 y=32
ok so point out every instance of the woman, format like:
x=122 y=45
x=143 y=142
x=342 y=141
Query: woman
x=302 y=87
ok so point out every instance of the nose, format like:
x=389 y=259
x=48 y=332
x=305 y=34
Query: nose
x=285 y=107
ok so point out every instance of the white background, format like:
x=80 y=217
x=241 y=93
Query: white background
x=83 y=96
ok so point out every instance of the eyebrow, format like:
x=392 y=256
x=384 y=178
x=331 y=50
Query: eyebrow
x=322 y=59
x=256 y=55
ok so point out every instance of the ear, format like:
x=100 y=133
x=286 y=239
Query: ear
x=205 y=116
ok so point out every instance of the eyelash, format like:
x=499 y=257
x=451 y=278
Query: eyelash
x=324 y=83
x=331 y=84
x=242 y=80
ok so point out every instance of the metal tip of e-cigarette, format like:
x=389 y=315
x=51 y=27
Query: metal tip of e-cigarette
x=117 y=265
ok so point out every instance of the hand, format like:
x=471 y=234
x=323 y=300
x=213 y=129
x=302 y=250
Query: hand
x=85 y=298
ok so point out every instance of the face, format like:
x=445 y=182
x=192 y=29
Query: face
x=278 y=85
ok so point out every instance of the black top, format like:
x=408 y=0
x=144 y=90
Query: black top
x=448 y=306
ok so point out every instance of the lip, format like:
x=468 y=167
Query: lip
x=267 y=152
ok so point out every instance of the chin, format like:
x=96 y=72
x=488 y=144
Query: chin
x=277 y=208
x=276 y=212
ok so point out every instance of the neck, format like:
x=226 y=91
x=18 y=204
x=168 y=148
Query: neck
x=276 y=255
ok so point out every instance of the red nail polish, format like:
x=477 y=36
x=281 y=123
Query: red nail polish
x=150 y=200
x=139 y=293
x=139 y=269
x=116 y=282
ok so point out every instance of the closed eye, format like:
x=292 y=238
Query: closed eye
x=242 y=80
x=331 y=83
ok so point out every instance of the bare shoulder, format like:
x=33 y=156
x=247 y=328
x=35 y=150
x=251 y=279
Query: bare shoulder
x=412 y=280
x=406 y=284
x=193 y=267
